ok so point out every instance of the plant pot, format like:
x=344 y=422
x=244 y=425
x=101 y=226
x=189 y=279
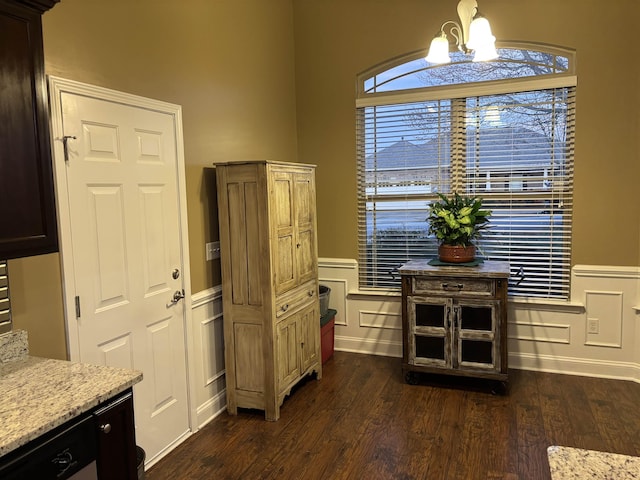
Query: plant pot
x=456 y=253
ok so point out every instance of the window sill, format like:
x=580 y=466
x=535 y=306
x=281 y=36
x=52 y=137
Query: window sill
x=371 y=294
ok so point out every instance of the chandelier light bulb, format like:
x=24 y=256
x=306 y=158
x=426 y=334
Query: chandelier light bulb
x=480 y=36
x=439 y=50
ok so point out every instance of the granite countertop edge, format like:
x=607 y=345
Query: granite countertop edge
x=40 y=394
x=570 y=463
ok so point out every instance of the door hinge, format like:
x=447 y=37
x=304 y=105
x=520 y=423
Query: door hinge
x=77 y=306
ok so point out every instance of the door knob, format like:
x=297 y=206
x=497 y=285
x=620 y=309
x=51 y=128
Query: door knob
x=177 y=296
x=175 y=274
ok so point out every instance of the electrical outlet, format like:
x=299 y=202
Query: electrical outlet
x=593 y=325
x=212 y=250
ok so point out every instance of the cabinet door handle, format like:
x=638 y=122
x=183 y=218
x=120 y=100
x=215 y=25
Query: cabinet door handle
x=105 y=427
x=448 y=316
x=311 y=293
x=285 y=307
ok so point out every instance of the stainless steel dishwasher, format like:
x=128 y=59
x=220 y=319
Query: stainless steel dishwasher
x=68 y=452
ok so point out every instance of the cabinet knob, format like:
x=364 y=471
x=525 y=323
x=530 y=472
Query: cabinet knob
x=105 y=427
x=311 y=293
x=285 y=307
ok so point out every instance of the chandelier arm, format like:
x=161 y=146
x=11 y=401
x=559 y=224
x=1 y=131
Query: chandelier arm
x=456 y=32
x=466 y=11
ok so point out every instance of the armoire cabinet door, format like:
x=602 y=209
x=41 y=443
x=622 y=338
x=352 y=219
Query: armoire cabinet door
x=293 y=208
x=297 y=339
x=310 y=326
x=304 y=191
x=284 y=231
x=288 y=350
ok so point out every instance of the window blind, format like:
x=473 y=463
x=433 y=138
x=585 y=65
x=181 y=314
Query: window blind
x=513 y=150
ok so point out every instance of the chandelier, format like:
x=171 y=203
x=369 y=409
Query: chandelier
x=471 y=34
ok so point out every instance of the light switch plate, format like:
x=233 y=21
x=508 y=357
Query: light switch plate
x=212 y=250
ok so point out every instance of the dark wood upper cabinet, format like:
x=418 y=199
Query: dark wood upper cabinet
x=27 y=202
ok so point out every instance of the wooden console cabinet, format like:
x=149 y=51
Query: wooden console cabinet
x=454 y=320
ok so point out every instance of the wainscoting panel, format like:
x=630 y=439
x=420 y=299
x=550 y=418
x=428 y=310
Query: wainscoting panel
x=544 y=335
x=539 y=332
x=391 y=320
x=208 y=371
x=604 y=319
x=337 y=298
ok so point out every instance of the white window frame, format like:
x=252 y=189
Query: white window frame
x=562 y=80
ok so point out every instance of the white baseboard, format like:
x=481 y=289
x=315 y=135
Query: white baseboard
x=367 y=346
x=212 y=408
x=518 y=361
x=150 y=462
x=575 y=366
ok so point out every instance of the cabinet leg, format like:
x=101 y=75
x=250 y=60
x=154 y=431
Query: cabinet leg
x=410 y=378
x=500 y=388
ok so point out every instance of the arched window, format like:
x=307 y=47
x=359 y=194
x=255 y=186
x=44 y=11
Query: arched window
x=502 y=130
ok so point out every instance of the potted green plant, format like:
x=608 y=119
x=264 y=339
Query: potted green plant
x=457 y=221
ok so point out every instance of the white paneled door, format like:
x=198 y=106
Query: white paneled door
x=124 y=238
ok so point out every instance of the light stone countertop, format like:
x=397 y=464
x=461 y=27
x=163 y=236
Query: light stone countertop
x=567 y=463
x=39 y=394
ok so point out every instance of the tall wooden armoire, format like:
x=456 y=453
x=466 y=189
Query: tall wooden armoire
x=270 y=299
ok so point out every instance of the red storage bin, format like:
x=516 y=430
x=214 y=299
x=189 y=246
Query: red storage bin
x=327 y=324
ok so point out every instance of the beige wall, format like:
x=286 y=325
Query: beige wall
x=337 y=39
x=228 y=63
x=36 y=303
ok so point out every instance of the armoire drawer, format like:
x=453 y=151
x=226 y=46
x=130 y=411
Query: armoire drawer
x=296 y=298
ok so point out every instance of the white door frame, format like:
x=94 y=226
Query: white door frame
x=57 y=86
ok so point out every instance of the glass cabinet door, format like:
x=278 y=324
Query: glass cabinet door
x=475 y=326
x=429 y=324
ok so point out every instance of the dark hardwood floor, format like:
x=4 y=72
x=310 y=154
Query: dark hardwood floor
x=362 y=421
